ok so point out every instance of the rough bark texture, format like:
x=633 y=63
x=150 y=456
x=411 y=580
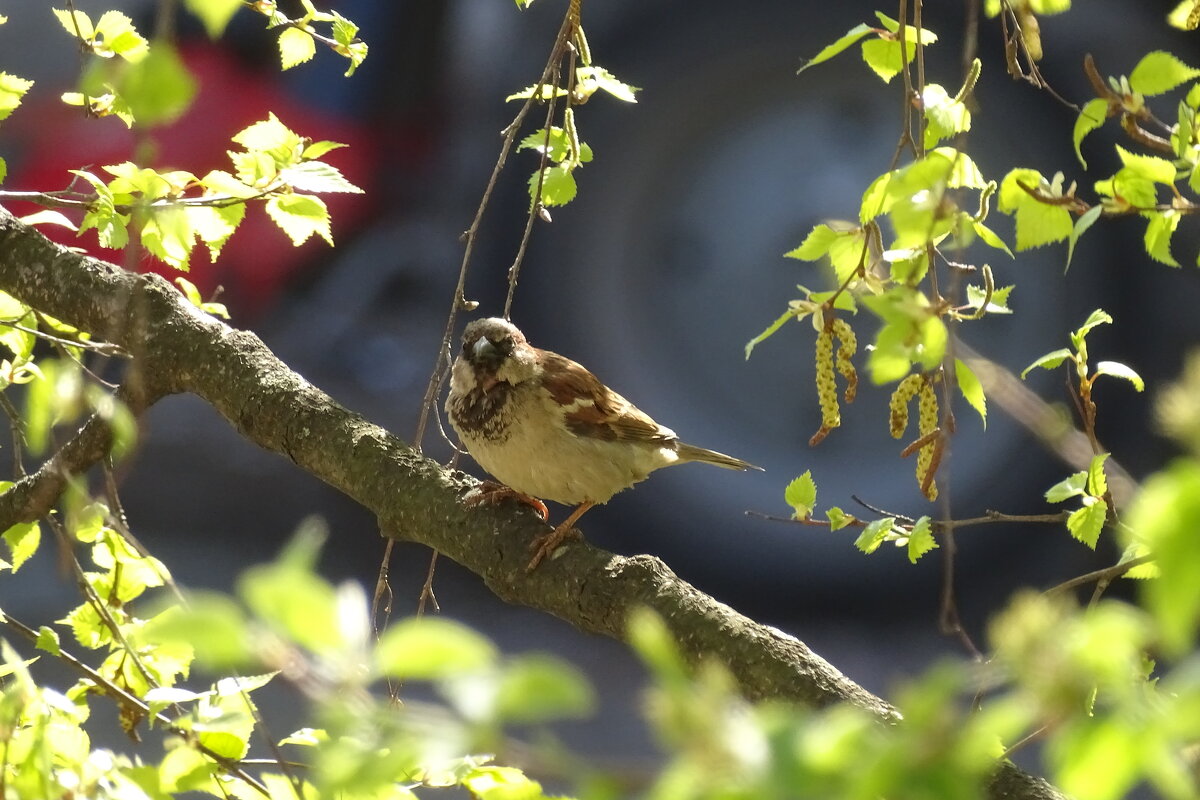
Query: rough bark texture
x=177 y=348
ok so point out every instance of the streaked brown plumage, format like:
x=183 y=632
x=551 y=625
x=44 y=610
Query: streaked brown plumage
x=546 y=427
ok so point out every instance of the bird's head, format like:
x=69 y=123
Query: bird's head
x=497 y=351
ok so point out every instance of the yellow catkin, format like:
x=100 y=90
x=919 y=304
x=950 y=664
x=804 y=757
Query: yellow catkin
x=847 y=347
x=927 y=421
x=905 y=390
x=831 y=415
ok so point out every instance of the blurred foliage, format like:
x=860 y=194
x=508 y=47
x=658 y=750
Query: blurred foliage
x=1112 y=690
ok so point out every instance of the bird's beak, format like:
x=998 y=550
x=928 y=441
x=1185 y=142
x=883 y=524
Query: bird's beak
x=483 y=345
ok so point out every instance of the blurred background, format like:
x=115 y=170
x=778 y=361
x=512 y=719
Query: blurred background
x=655 y=277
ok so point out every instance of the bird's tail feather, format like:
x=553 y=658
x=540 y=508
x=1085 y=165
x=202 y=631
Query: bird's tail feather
x=689 y=452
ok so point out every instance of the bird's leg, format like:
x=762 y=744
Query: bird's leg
x=547 y=543
x=492 y=493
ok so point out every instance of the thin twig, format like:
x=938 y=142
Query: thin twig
x=1105 y=575
x=459 y=302
x=17 y=426
x=1033 y=737
x=103 y=348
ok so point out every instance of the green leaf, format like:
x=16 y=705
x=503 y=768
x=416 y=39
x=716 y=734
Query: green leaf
x=945 y=115
x=590 y=79
x=1119 y=370
x=539 y=688
x=874 y=534
x=219 y=182
x=300 y=216
x=215 y=14
x=998 y=304
x=116 y=36
x=960 y=170
x=295 y=47
x=318 y=149
x=345 y=33
x=75 y=23
x=829 y=51
x=990 y=237
x=971 y=388
x=1038 y=223
x=270 y=136
x=22 y=540
x=1086 y=523
x=428 y=648
x=213 y=625
x=1085 y=221
x=1049 y=361
x=815 y=245
x=214 y=225
x=501 y=783
x=47 y=639
x=651 y=639
x=1166 y=516
x=912 y=334
x=883 y=57
x=801 y=495
x=1181 y=16
x=317 y=176
x=47 y=216
x=921 y=540
x=306 y=737
x=838 y=519
x=1160 y=72
x=1097 y=483
x=557 y=145
x=771 y=329
x=558 y=186
x=1151 y=168
x=1091 y=116
x=1095 y=319
x=1159 y=229
x=291 y=598
x=157 y=89
x=1137 y=549
x=12 y=89
x=167 y=233
x=1074 y=486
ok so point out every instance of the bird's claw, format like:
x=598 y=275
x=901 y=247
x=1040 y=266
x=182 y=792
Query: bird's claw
x=545 y=544
x=491 y=493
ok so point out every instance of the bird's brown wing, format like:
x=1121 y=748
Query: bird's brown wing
x=592 y=409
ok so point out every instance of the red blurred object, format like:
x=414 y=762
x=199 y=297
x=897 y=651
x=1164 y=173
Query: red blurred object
x=51 y=137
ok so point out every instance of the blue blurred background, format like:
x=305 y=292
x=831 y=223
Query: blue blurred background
x=655 y=277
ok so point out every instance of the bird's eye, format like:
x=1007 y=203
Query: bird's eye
x=506 y=345
x=465 y=347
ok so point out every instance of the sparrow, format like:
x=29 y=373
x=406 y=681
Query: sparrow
x=546 y=427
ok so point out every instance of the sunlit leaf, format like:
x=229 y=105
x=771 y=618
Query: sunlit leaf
x=1049 y=361
x=426 y=648
x=1160 y=72
x=801 y=495
x=1091 y=117
x=1074 y=486
x=920 y=540
x=845 y=41
x=295 y=47
x=1119 y=370
x=1086 y=523
x=971 y=388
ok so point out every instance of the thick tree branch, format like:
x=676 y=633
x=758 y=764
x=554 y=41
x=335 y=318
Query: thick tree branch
x=178 y=348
